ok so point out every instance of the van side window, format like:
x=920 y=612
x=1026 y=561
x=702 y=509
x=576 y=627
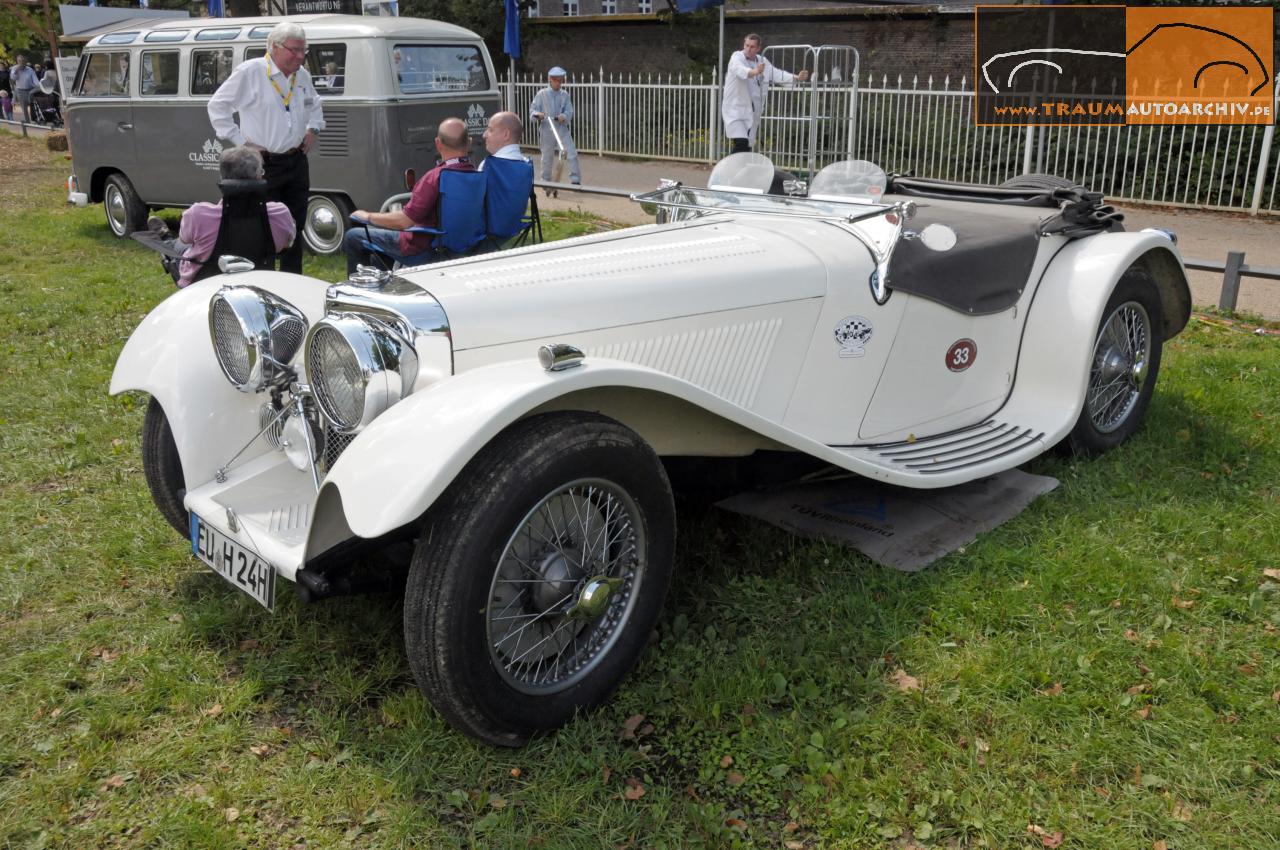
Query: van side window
x=209 y=69
x=328 y=66
x=422 y=68
x=254 y=53
x=97 y=72
x=159 y=72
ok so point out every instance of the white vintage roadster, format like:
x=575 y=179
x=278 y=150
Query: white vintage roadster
x=510 y=414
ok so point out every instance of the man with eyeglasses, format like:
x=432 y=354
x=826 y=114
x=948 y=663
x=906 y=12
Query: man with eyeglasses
x=279 y=115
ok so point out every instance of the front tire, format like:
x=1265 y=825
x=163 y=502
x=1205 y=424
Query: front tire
x=539 y=576
x=125 y=210
x=162 y=468
x=1122 y=374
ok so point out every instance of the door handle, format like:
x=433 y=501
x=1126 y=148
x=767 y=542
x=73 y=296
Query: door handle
x=124 y=126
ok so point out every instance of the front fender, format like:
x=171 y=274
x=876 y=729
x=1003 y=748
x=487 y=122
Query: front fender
x=1057 y=347
x=170 y=356
x=405 y=459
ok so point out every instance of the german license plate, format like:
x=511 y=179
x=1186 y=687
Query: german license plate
x=240 y=566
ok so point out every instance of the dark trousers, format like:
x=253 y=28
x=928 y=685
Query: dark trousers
x=289 y=182
x=739 y=146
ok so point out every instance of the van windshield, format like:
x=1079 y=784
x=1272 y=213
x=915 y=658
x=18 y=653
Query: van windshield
x=429 y=68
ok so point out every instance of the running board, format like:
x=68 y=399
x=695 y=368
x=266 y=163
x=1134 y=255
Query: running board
x=993 y=444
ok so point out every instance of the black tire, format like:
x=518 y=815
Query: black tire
x=1038 y=181
x=325 y=226
x=1125 y=364
x=163 y=469
x=586 y=468
x=125 y=210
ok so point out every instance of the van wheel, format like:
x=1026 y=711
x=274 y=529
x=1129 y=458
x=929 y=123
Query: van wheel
x=326 y=223
x=538 y=576
x=125 y=211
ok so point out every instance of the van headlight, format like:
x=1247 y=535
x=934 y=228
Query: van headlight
x=358 y=367
x=255 y=334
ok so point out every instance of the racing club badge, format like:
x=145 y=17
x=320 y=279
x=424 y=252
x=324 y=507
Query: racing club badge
x=852 y=334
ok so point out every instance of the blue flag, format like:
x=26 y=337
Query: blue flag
x=695 y=5
x=511 y=29
x=215 y=8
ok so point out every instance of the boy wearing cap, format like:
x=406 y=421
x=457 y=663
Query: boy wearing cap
x=552 y=105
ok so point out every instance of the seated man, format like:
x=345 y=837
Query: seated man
x=509 y=179
x=199 y=229
x=386 y=229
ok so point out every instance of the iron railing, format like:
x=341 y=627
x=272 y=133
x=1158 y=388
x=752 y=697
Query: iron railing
x=924 y=126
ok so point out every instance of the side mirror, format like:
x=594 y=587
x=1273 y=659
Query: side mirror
x=231 y=264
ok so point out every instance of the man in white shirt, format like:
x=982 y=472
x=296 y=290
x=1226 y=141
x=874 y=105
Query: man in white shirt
x=502 y=137
x=553 y=106
x=746 y=82
x=280 y=115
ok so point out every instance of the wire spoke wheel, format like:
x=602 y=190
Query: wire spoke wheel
x=1121 y=358
x=565 y=586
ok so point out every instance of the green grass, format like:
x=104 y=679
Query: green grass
x=1103 y=666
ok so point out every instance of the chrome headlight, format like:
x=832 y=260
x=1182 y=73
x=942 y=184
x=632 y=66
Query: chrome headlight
x=255 y=334
x=358 y=367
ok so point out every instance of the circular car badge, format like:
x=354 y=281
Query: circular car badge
x=853 y=333
x=961 y=354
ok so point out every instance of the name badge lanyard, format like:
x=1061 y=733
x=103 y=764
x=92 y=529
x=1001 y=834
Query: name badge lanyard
x=284 y=98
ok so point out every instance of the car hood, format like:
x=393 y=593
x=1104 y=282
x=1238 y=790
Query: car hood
x=628 y=277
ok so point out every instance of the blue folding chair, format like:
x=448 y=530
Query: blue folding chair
x=508 y=194
x=461 y=217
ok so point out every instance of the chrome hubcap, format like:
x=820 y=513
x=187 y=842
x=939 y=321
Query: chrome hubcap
x=324 y=229
x=1121 y=358
x=115 y=209
x=565 y=586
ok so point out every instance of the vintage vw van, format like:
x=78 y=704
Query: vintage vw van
x=141 y=138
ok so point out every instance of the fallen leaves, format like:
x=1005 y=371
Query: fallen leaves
x=735 y=778
x=726 y=762
x=213 y=710
x=903 y=682
x=1051 y=691
x=232 y=814
x=260 y=750
x=1048 y=839
x=104 y=654
x=113 y=782
x=1182 y=812
x=631 y=728
x=1270 y=572
x=1144 y=713
x=634 y=790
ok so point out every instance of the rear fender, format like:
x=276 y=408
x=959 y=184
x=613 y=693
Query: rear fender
x=1057 y=343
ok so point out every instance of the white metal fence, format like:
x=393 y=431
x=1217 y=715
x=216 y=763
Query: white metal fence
x=925 y=127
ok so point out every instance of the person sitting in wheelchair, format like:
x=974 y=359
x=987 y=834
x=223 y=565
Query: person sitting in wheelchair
x=443 y=218
x=192 y=255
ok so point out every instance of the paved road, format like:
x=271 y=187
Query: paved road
x=1201 y=235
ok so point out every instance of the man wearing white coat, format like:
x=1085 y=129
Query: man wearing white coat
x=746 y=82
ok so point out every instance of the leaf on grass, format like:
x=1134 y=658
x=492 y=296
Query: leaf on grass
x=1144 y=713
x=605 y=773
x=260 y=750
x=55 y=714
x=790 y=827
x=735 y=778
x=981 y=745
x=498 y=802
x=1184 y=604
x=735 y=823
x=1051 y=841
x=1275 y=697
x=726 y=762
x=635 y=789
x=903 y=682
x=630 y=726
x=213 y=710
x=1051 y=691
x=113 y=782
x=1140 y=688
x=515 y=773
x=793 y=845
x=1182 y=812
x=1272 y=573
x=232 y=814
x=1248 y=669
x=248 y=643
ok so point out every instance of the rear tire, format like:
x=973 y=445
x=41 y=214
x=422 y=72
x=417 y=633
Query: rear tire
x=326 y=223
x=539 y=576
x=163 y=468
x=125 y=210
x=1123 y=371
